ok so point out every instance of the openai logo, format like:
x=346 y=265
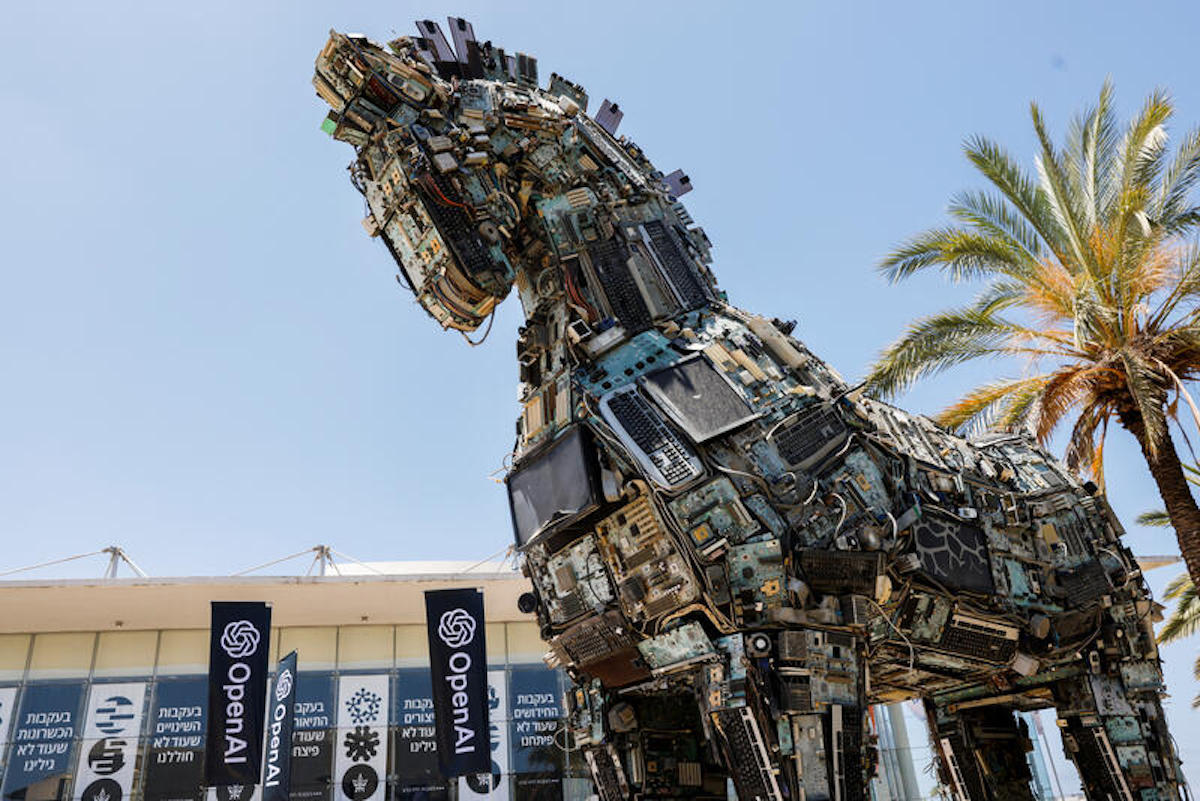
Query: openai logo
x=456 y=628
x=283 y=685
x=240 y=639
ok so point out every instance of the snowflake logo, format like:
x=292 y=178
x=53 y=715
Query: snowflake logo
x=361 y=744
x=364 y=706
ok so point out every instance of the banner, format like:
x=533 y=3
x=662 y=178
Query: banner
x=237 y=692
x=492 y=783
x=313 y=738
x=536 y=731
x=414 y=750
x=458 y=661
x=278 y=769
x=111 y=727
x=362 y=738
x=174 y=769
x=39 y=754
x=8 y=711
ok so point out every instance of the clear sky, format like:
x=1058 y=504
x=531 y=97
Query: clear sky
x=204 y=359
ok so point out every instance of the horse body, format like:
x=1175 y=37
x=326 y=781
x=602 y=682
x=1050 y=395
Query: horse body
x=731 y=552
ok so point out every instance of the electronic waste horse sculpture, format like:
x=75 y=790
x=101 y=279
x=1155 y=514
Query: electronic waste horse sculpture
x=732 y=553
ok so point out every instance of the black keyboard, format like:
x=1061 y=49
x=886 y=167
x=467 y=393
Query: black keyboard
x=676 y=265
x=604 y=774
x=747 y=756
x=609 y=261
x=668 y=460
x=816 y=431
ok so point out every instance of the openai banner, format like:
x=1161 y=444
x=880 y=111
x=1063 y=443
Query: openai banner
x=237 y=692
x=362 y=738
x=112 y=724
x=458 y=661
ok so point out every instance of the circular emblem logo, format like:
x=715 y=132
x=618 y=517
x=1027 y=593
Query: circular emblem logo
x=102 y=790
x=484 y=783
x=360 y=782
x=113 y=715
x=456 y=628
x=240 y=639
x=107 y=756
x=283 y=685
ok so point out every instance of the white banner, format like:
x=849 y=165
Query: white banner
x=362 y=738
x=495 y=786
x=109 y=750
x=8 y=713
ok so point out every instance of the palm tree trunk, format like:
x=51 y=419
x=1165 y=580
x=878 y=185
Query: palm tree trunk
x=1173 y=486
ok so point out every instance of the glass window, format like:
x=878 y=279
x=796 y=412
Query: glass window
x=315 y=647
x=46 y=724
x=525 y=644
x=414 y=749
x=412 y=646
x=61 y=656
x=366 y=647
x=14 y=653
x=175 y=760
x=125 y=653
x=313 y=739
x=183 y=651
x=497 y=644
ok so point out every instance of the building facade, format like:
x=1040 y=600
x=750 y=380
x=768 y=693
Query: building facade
x=69 y=648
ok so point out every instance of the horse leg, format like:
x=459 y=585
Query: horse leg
x=792 y=722
x=981 y=752
x=1114 y=730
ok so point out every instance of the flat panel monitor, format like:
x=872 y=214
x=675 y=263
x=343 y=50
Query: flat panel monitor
x=698 y=398
x=554 y=486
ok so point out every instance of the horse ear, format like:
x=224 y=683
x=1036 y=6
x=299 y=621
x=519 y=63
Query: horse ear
x=609 y=116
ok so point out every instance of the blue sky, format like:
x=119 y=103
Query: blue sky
x=205 y=359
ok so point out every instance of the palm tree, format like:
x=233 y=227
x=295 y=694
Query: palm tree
x=1089 y=274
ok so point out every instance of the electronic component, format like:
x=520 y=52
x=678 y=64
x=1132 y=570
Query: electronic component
x=979 y=639
x=676 y=648
x=674 y=263
x=554 y=486
x=607 y=773
x=815 y=433
x=713 y=516
x=610 y=262
x=838 y=572
x=667 y=459
x=699 y=399
x=748 y=757
x=652 y=577
x=954 y=552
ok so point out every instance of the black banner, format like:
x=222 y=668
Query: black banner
x=237 y=690
x=458 y=662
x=278 y=768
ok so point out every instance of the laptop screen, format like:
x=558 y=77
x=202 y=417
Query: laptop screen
x=554 y=486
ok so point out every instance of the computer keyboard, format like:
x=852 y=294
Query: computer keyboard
x=669 y=461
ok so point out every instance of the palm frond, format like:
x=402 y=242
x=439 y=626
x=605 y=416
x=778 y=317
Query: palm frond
x=976 y=411
x=935 y=343
x=1180 y=177
x=1063 y=203
x=992 y=215
x=960 y=253
x=1155 y=519
x=1185 y=618
x=1022 y=192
